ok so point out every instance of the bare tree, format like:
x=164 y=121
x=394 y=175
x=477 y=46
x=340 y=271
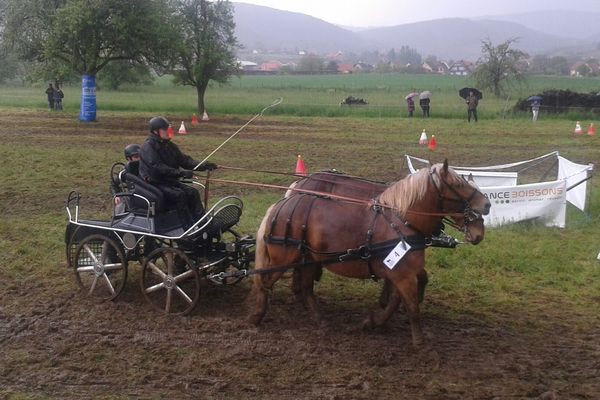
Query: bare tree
x=499 y=66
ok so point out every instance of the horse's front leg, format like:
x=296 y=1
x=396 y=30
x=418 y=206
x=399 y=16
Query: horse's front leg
x=409 y=292
x=388 y=287
x=379 y=317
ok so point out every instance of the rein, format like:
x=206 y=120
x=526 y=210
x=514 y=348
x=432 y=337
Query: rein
x=332 y=196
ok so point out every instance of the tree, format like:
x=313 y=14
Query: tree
x=124 y=71
x=86 y=35
x=498 y=67
x=206 y=45
x=310 y=64
x=408 y=55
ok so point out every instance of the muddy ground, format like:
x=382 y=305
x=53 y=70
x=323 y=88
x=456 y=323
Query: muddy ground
x=55 y=343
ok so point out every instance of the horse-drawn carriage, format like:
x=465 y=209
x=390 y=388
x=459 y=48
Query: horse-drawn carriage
x=173 y=259
x=351 y=226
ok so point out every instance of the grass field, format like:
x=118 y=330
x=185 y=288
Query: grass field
x=515 y=316
x=309 y=96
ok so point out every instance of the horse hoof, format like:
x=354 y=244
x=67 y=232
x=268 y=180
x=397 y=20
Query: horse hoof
x=255 y=319
x=368 y=324
x=419 y=343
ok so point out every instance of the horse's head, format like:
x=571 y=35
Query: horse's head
x=462 y=200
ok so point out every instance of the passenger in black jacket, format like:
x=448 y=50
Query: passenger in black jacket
x=162 y=164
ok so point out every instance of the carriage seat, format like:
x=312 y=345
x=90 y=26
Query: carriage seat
x=137 y=185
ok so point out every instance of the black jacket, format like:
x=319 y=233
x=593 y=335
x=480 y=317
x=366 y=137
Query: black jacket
x=160 y=160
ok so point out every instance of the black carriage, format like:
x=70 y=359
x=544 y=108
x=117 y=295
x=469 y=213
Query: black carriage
x=174 y=260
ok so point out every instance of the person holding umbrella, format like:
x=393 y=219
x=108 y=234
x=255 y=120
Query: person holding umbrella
x=424 y=100
x=536 y=101
x=472 y=97
x=410 y=104
x=472 y=103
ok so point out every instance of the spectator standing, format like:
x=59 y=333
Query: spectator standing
x=50 y=93
x=58 y=96
x=535 y=110
x=424 y=103
x=410 y=104
x=472 y=103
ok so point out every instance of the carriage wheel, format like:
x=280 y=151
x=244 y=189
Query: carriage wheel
x=100 y=267
x=170 y=282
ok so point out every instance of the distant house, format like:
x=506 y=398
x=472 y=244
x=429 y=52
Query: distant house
x=247 y=66
x=339 y=56
x=363 y=67
x=345 y=68
x=438 y=67
x=271 y=66
x=585 y=69
x=461 y=68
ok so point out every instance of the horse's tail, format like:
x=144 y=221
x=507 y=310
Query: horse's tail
x=262 y=259
x=258 y=298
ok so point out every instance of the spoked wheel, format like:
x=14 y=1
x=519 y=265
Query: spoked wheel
x=170 y=282
x=100 y=267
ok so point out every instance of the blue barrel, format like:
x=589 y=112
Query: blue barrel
x=87 y=111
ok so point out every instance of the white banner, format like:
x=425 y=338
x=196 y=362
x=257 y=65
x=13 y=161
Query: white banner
x=544 y=201
x=575 y=174
x=486 y=178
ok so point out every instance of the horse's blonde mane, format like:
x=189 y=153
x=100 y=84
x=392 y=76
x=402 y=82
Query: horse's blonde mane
x=406 y=192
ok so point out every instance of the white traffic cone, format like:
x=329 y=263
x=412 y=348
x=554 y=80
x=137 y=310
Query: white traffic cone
x=578 y=130
x=205 y=116
x=423 y=138
x=182 y=130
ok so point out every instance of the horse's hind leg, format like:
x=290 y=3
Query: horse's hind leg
x=307 y=279
x=261 y=292
x=263 y=283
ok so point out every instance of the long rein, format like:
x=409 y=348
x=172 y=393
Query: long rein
x=348 y=199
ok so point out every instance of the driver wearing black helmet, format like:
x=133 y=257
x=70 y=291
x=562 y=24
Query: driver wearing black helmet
x=162 y=164
x=132 y=155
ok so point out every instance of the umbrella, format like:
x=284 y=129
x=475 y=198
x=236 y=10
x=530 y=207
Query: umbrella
x=411 y=94
x=534 y=98
x=425 y=95
x=464 y=92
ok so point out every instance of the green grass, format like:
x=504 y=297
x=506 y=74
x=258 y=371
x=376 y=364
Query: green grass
x=308 y=96
x=528 y=268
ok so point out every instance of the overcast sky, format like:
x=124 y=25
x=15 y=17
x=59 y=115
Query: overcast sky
x=364 y=13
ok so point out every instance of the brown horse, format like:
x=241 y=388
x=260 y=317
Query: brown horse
x=318 y=231
x=366 y=189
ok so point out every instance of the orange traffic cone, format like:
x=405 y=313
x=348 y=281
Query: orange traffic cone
x=170 y=131
x=423 y=138
x=591 y=130
x=432 y=143
x=578 y=130
x=182 y=130
x=300 y=167
x=205 y=116
x=194 y=119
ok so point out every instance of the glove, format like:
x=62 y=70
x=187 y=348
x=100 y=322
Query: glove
x=186 y=173
x=208 y=166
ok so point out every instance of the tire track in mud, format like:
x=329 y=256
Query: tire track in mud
x=9 y=331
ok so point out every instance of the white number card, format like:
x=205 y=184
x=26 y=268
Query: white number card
x=396 y=254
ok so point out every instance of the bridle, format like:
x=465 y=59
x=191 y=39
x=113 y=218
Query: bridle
x=469 y=214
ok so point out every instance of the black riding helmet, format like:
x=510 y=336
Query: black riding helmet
x=157 y=123
x=132 y=150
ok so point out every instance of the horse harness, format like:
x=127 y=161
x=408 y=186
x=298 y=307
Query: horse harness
x=368 y=250
x=364 y=252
